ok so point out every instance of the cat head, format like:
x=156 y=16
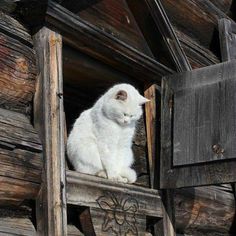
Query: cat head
x=123 y=104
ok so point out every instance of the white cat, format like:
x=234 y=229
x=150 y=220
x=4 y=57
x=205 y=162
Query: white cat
x=101 y=139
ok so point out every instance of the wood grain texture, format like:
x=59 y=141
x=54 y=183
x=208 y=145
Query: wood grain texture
x=204 y=209
x=162 y=21
x=227 y=30
x=104 y=47
x=121 y=223
x=197 y=19
x=199 y=174
x=20 y=158
x=198 y=55
x=86 y=190
x=199 y=126
x=151 y=126
x=223 y=5
x=17 y=66
x=112 y=17
x=49 y=120
x=16 y=226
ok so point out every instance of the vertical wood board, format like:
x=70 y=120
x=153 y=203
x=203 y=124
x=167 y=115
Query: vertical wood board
x=227 y=30
x=204 y=114
x=49 y=120
x=207 y=172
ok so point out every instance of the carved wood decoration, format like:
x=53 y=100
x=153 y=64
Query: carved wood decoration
x=49 y=120
x=115 y=208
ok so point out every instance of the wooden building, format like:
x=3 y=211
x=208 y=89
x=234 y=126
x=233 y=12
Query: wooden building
x=57 y=57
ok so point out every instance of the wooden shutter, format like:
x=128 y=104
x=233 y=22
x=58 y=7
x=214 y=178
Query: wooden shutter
x=199 y=127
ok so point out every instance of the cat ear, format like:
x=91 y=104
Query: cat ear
x=121 y=95
x=143 y=100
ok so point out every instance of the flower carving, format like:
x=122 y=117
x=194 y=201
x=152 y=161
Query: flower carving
x=119 y=214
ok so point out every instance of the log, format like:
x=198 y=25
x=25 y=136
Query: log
x=17 y=220
x=204 y=209
x=16 y=226
x=20 y=158
x=17 y=66
x=197 y=19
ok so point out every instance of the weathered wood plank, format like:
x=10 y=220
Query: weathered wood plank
x=15 y=29
x=204 y=209
x=202 y=25
x=17 y=66
x=16 y=226
x=13 y=191
x=159 y=15
x=223 y=5
x=206 y=172
x=20 y=158
x=91 y=191
x=151 y=126
x=198 y=55
x=227 y=30
x=199 y=125
x=112 y=17
x=100 y=45
x=73 y=231
x=49 y=120
x=107 y=222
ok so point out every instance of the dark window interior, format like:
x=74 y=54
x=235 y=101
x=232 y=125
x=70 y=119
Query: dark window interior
x=85 y=80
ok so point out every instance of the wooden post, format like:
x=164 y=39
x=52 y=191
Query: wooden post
x=151 y=123
x=166 y=225
x=49 y=120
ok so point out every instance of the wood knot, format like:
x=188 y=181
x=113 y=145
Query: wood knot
x=22 y=65
x=217 y=149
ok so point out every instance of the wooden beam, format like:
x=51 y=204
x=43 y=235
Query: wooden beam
x=49 y=120
x=162 y=21
x=85 y=190
x=227 y=30
x=103 y=46
x=151 y=127
x=197 y=19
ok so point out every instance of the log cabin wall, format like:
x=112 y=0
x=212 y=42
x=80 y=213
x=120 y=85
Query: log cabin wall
x=20 y=146
x=206 y=210
x=196 y=25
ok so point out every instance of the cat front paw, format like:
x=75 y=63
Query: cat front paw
x=102 y=174
x=118 y=178
x=130 y=175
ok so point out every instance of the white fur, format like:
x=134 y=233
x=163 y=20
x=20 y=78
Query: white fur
x=101 y=139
